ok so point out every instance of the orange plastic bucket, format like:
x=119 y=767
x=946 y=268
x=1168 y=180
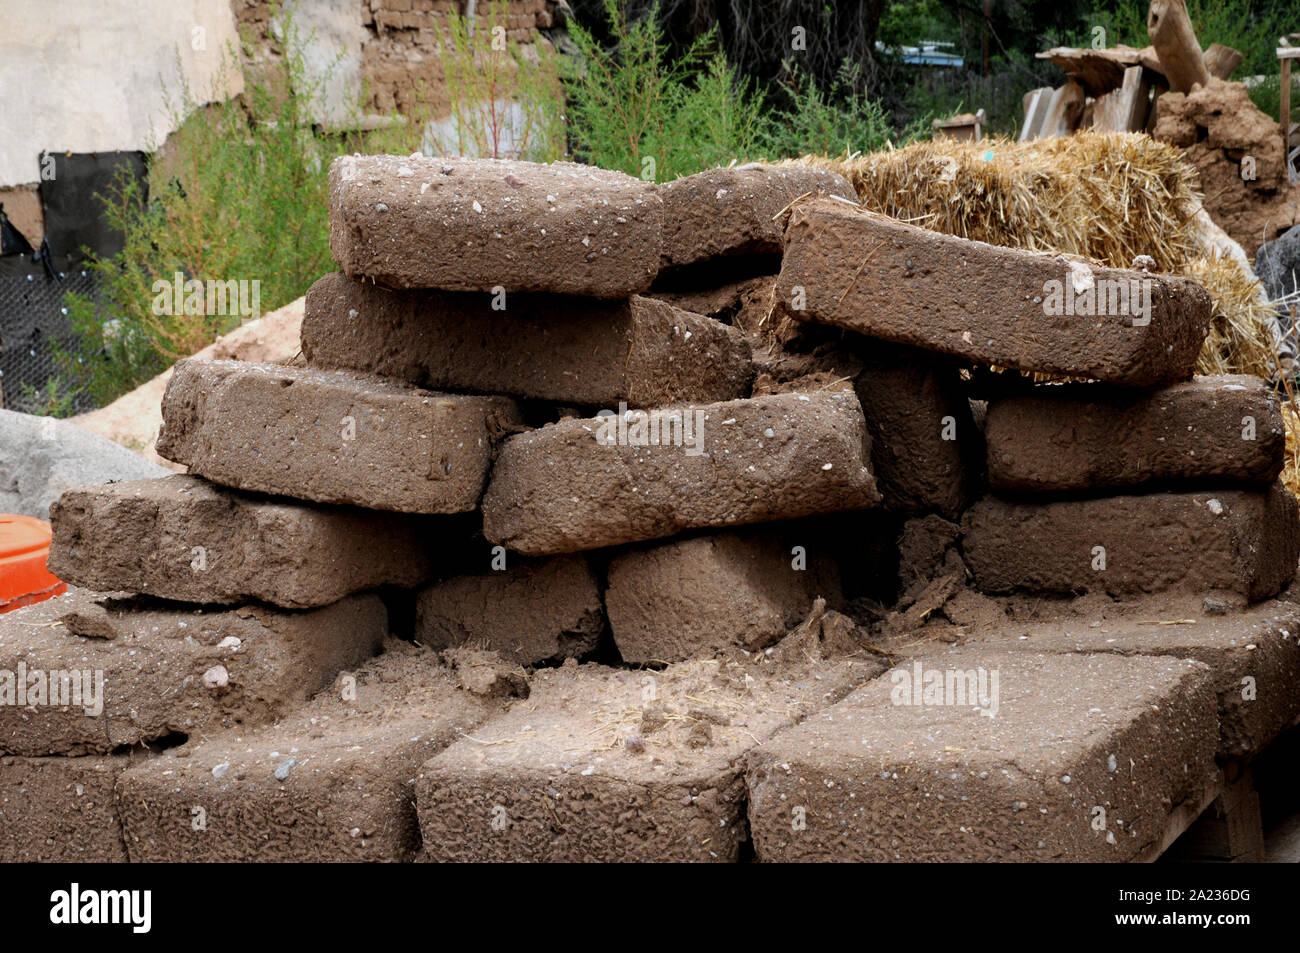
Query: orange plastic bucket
x=24 y=548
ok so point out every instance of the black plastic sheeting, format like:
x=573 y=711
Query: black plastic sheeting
x=74 y=217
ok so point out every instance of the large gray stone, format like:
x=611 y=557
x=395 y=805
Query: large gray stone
x=40 y=457
x=1277 y=263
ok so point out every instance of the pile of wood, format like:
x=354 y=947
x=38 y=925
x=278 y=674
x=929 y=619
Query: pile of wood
x=1115 y=89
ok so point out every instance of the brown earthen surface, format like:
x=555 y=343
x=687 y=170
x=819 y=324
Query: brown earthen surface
x=883 y=278
x=331 y=436
x=887 y=775
x=531 y=611
x=150 y=671
x=479 y=224
x=548 y=347
x=1240 y=541
x=182 y=538
x=581 y=484
x=1083 y=437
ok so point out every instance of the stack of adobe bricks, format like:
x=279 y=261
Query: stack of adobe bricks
x=500 y=449
x=1132 y=479
x=510 y=301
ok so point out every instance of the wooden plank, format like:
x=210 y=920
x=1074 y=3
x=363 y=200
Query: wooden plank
x=965 y=126
x=1100 y=71
x=1124 y=109
x=1182 y=817
x=1153 y=111
x=1284 y=120
x=1230 y=830
x=1036 y=102
x=1063 y=111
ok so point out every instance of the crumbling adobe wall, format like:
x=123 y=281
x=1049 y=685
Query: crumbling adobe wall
x=389 y=48
x=83 y=76
x=1222 y=131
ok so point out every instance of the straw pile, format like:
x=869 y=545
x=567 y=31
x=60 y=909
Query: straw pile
x=1105 y=196
x=1290 y=475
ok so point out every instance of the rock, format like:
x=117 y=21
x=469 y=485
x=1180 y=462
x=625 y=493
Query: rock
x=900 y=771
x=165 y=670
x=1240 y=541
x=711 y=593
x=728 y=212
x=185 y=539
x=1223 y=428
x=581 y=351
x=330 y=436
x=41 y=457
x=354 y=755
x=1277 y=263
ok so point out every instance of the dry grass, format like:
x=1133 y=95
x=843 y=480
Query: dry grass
x=1291 y=472
x=1240 y=340
x=1105 y=196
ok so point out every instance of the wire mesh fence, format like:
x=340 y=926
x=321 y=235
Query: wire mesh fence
x=34 y=325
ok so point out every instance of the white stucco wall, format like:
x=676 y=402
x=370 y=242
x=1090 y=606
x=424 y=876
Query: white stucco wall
x=105 y=75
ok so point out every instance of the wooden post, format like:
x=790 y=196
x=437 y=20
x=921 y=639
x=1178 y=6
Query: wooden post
x=1175 y=43
x=1286 y=52
x=1036 y=103
x=1064 y=111
x=984 y=37
x=1229 y=830
x=1285 y=118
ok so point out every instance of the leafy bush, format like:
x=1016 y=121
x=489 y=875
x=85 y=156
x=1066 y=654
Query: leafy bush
x=240 y=192
x=831 y=121
x=238 y=197
x=506 y=101
x=633 y=109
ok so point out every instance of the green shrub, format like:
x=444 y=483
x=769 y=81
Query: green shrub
x=506 y=102
x=241 y=193
x=54 y=399
x=633 y=109
x=832 y=121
